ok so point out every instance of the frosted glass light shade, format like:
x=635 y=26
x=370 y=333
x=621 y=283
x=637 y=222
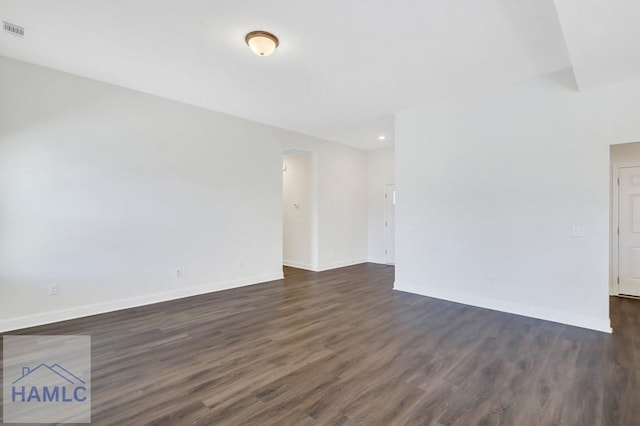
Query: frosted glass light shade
x=261 y=43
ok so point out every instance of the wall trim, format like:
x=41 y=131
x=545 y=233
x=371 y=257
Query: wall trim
x=325 y=267
x=299 y=265
x=131 y=302
x=598 y=324
x=341 y=264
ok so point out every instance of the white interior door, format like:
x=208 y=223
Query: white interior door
x=390 y=224
x=629 y=231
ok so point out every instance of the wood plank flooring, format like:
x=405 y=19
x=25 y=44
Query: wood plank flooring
x=341 y=347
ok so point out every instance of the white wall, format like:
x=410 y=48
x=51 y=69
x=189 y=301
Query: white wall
x=339 y=182
x=342 y=206
x=298 y=208
x=488 y=189
x=106 y=192
x=381 y=172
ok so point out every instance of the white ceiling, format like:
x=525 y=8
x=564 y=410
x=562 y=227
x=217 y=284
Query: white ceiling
x=343 y=67
x=603 y=37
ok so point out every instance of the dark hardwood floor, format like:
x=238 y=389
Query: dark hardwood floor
x=340 y=347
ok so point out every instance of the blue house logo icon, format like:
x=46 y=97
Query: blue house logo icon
x=48 y=383
x=47 y=379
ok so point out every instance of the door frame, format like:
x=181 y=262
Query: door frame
x=614 y=288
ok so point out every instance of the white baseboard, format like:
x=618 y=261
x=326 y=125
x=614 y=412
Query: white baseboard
x=324 y=267
x=132 y=302
x=300 y=265
x=598 y=324
x=341 y=264
x=379 y=261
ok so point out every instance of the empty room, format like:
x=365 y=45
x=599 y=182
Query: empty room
x=320 y=212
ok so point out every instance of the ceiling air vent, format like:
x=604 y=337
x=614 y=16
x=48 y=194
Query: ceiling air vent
x=14 y=29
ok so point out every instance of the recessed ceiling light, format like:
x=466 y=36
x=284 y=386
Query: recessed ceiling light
x=261 y=43
x=381 y=137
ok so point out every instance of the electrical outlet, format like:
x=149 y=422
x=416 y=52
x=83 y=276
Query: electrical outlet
x=53 y=289
x=178 y=273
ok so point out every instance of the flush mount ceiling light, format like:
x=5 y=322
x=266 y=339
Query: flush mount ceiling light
x=261 y=43
x=381 y=137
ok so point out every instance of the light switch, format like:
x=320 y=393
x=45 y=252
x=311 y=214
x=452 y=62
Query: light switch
x=577 y=231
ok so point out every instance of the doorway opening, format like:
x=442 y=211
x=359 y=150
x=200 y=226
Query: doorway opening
x=390 y=224
x=625 y=220
x=298 y=208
